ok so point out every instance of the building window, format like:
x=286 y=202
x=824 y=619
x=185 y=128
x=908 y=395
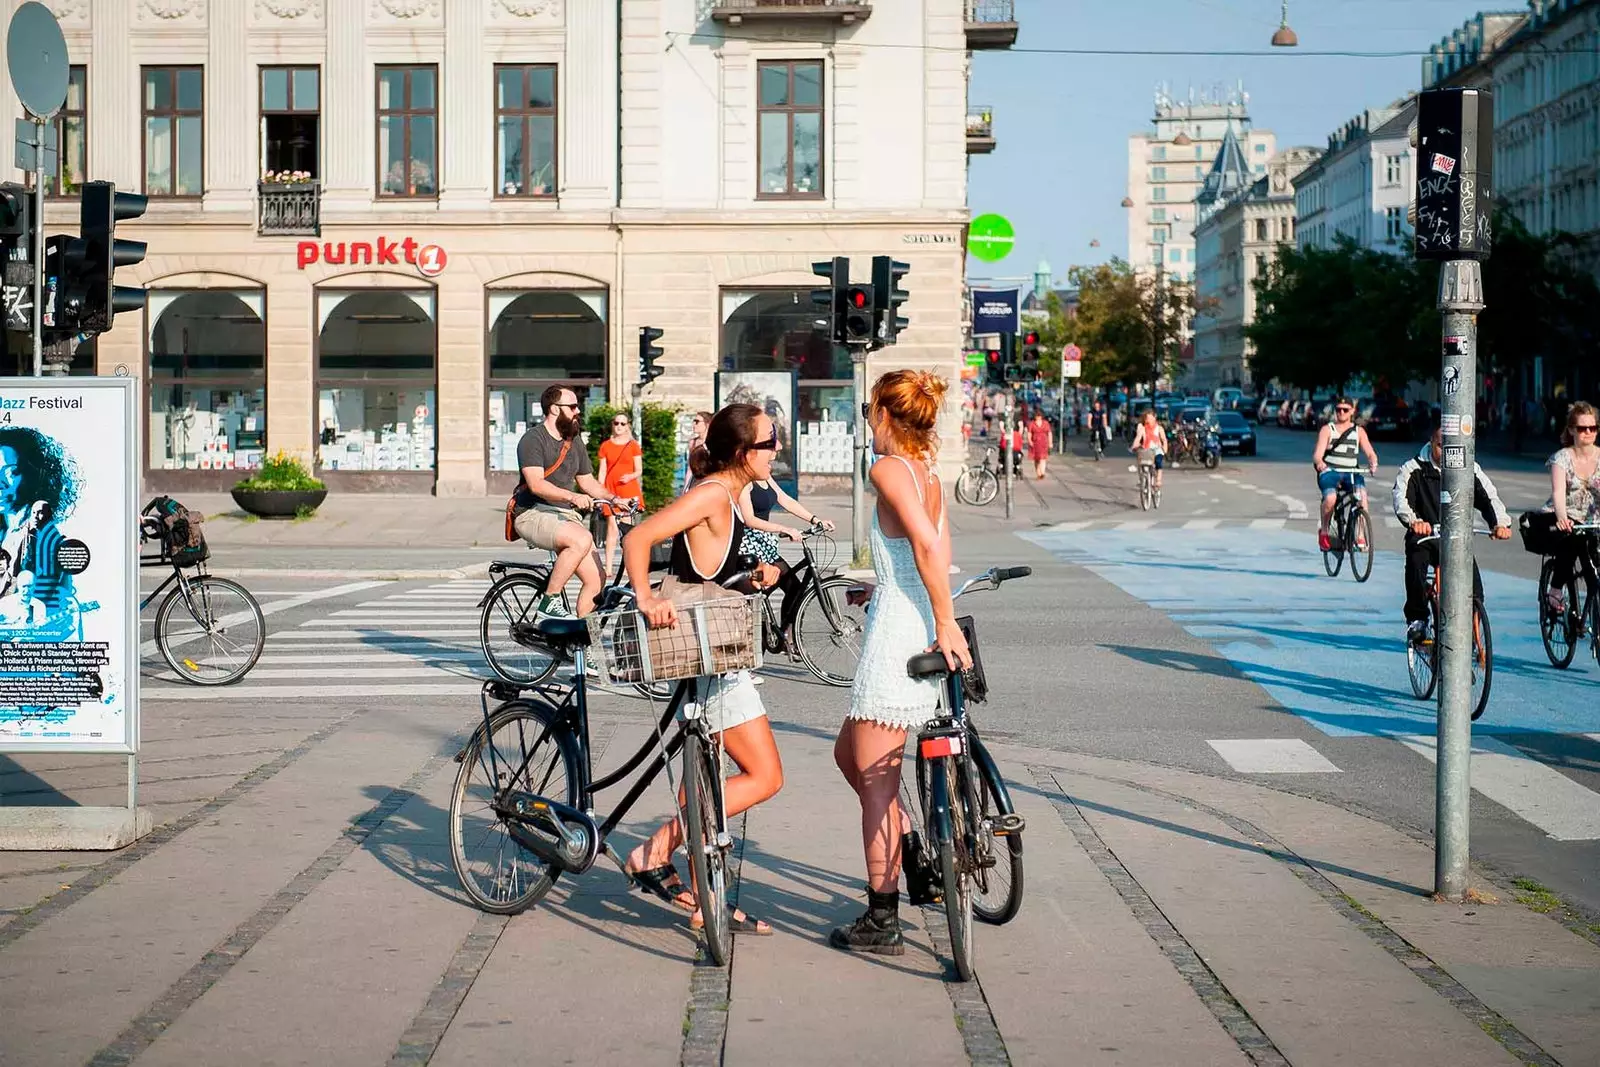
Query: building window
x=1261 y=266
x=525 y=130
x=1158 y=193
x=1158 y=174
x=1191 y=255
x=408 y=131
x=1261 y=149
x=174 y=152
x=208 y=379
x=1261 y=229
x=789 y=117
x=1393 y=169
x=291 y=107
x=1159 y=152
x=776 y=330
x=1155 y=256
x=1394 y=220
x=1158 y=214
x=72 y=136
x=539 y=338
x=1175 y=256
x=376 y=380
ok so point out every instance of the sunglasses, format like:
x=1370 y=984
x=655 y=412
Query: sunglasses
x=619 y=422
x=1590 y=428
x=573 y=407
x=769 y=445
x=1343 y=408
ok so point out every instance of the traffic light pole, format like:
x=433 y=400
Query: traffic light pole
x=38 y=248
x=858 y=473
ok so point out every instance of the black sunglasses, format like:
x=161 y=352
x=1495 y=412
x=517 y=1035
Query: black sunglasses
x=769 y=445
x=1586 y=429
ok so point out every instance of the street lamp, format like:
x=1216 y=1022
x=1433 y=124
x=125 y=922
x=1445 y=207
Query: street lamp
x=1285 y=37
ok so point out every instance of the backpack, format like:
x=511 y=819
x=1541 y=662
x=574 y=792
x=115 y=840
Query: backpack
x=183 y=540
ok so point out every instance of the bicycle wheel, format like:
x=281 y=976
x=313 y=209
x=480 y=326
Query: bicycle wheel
x=1482 y=660
x=1558 y=628
x=1422 y=657
x=217 y=636
x=514 y=601
x=1358 y=543
x=982 y=485
x=998 y=872
x=1144 y=489
x=828 y=631
x=1333 y=555
x=520 y=755
x=951 y=847
x=704 y=832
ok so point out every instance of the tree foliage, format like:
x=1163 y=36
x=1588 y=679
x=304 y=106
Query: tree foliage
x=1122 y=318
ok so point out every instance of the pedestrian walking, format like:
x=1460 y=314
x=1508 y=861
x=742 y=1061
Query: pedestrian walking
x=1039 y=440
x=622 y=473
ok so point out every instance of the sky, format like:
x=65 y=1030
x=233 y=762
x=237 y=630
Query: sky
x=1059 y=171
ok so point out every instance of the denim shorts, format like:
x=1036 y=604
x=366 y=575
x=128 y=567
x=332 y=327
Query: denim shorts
x=1328 y=480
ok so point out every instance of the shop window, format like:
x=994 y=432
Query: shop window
x=777 y=329
x=376 y=380
x=291 y=113
x=789 y=117
x=408 y=131
x=525 y=130
x=72 y=136
x=208 y=378
x=174 y=129
x=539 y=338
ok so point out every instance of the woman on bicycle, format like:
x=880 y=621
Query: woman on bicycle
x=1149 y=434
x=761 y=534
x=911 y=611
x=706 y=527
x=622 y=473
x=1574 y=490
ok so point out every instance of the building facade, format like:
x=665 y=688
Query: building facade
x=1167 y=169
x=1238 y=238
x=378 y=229
x=1362 y=185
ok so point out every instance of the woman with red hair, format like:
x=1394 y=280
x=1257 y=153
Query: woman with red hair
x=911 y=611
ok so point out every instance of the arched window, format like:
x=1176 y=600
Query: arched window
x=208 y=377
x=376 y=379
x=539 y=338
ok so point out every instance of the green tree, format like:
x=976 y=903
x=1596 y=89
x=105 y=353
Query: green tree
x=1128 y=324
x=658 y=439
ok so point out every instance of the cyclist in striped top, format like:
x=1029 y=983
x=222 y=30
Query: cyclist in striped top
x=1337 y=457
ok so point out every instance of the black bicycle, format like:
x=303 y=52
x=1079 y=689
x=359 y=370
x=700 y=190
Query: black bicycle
x=973 y=832
x=817 y=624
x=526 y=786
x=210 y=630
x=1565 y=617
x=1422 y=648
x=1351 y=533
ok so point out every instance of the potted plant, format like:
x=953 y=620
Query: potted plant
x=281 y=489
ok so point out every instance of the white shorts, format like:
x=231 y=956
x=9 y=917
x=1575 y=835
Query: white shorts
x=729 y=700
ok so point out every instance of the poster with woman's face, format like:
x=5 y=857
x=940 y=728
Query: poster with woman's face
x=68 y=628
x=774 y=393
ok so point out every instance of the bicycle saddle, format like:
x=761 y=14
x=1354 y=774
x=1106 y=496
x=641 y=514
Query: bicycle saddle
x=927 y=665
x=557 y=631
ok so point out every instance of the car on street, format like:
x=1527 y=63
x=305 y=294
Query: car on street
x=1299 y=415
x=1386 y=418
x=1269 y=408
x=1234 y=433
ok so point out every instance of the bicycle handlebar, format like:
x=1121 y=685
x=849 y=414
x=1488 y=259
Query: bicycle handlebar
x=991 y=579
x=1434 y=536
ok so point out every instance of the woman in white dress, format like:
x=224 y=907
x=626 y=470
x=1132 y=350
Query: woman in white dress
x=911 y=612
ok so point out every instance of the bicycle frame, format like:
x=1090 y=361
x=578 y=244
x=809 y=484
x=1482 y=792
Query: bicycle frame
x=177 y=575
x=953 y=722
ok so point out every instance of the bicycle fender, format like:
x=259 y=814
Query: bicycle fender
x=986 y=766
x=940 y=830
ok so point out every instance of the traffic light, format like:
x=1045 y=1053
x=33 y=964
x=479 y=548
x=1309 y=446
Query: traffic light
x=857 y=315
x=649 y=352
x=831 y=299
x=1455 y=169
x=16 y=253
x=994 y=369
x=91 y=296
x=14 y=214
x=887 y=298
x=1030 y=357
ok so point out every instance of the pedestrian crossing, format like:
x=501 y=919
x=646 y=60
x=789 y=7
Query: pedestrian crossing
x=1257 y=596
x=1180 y=522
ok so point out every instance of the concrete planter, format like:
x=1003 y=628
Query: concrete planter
x=278 y=503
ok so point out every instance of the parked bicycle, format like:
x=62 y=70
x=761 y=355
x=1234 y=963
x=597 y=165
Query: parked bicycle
x=525 y=791
x=979 y=484
x=1149 y=492
x=816 y=624
x=1565 y=617
x=210 y=630
x=973 y=832
x=1350 y=534
x=1422 y=651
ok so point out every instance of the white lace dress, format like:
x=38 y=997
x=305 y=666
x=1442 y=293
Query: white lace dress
x=899 y=626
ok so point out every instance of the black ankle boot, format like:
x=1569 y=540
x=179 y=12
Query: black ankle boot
x=922 y=881
x=877 y=931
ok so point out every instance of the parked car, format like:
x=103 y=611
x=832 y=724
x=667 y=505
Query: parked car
x=1269 y=408
x=1227 y=397
x=1246 y=407
x=1302 y=414
x=1321 y=412
x=1286 y=412
x=1235 y=433
x=1386 y=418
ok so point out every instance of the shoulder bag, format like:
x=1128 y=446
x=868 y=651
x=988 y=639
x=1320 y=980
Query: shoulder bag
x=511 y=504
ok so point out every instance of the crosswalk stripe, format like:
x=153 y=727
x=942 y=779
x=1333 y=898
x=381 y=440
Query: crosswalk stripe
x=344 y=617
x=1246 y=486
x=336 y=671
x=1266 y=524
x=1071 y=527
x=1202 y=524
x=322 y=692
x=375 y=634
x=1273 y=755
x=427 y=654
x=1137 y=524
x=1545 y=797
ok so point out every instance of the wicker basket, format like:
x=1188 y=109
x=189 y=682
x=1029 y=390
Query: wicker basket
x=711 y=637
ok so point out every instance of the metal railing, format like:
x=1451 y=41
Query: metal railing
x=753 y=5
x=991 y=11
x=980 y=122
x=289 y=209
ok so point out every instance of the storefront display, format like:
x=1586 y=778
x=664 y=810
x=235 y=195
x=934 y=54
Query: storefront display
x=373 y=429
x=377 y=406
x=539 y=338
x=207 y=391
x=206 y=429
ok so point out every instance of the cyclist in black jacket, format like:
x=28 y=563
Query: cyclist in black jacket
x=1416 y=504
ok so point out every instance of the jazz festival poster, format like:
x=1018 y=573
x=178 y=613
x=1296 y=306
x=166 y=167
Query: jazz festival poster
x=69 y=648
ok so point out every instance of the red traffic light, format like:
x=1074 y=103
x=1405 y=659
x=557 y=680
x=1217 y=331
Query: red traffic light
x=858 y=298
x=994 y=357
x=1030 y=339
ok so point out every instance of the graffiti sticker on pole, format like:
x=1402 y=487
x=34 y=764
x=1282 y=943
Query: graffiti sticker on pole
x=1450 y=425
x=1452 y=380
x=1455 y=458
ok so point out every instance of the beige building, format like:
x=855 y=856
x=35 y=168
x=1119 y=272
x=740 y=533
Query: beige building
x=378 y=229
x=1167 y=169
x=1238 y=239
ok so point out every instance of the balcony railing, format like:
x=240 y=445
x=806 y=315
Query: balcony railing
x=991 y=23
x=735 y=12
x=289 y=209
x=980 y=130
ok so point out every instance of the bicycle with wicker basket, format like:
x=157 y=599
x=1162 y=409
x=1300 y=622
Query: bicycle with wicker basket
x=525 y=791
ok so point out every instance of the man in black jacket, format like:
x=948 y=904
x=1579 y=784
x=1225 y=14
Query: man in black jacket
x=1416 y=504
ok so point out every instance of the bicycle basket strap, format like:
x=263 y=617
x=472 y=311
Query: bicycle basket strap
x=973 y=682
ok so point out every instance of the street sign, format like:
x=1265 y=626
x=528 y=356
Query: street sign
x=976 y=359
x=1071 y=354
x=36 y=146
x=990 y=238
x=1072 y=368
x=36 y=52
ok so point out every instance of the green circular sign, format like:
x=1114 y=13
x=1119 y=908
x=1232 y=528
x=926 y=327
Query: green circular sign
x=990 y=237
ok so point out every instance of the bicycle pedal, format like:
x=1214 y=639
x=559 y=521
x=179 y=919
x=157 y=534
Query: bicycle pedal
x=1001 y=825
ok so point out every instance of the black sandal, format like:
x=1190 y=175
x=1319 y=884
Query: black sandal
x=740 y=923
x=664 y=882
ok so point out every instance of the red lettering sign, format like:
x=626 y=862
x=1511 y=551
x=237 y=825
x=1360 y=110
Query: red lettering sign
x=429 y=259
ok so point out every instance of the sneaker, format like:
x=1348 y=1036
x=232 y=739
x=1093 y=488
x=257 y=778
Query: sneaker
x=1324 y=542
x=1361 y=543
x=876 y=931
x=551 y=607
x=1557 y=601
x=756 y=679
x=1416 y=631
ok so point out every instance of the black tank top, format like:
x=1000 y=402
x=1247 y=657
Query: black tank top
x=681 y=565
x=762 y=500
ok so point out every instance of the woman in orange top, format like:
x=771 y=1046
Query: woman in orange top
x=621 y=472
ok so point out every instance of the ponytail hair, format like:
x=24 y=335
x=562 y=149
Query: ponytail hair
x=729 y=436
x=910 y=401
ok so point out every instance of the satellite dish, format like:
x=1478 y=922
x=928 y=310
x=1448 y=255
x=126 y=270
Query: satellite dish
x=37 y=55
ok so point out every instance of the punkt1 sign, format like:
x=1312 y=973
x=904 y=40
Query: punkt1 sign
x=428 y=259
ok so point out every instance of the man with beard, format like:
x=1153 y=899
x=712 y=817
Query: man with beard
x=558 y=483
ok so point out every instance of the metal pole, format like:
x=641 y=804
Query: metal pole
x=858 y=475
x=1005 y=442
x=38 y=248
x=133 y=781
x=1460 y=299
x=1061 y=419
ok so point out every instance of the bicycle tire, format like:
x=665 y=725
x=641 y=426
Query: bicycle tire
x=1144 y=489
x=957 y=887
x=708 y=862
x=524 y=714
x=500 y=649
x=203 y=590
x=1008 y=850
x=1360 y=533
x=847 y=624
x=1558 y=633
x=1482 y=657
x=1591 y=606
x=1422 y=661
x=1333 y=555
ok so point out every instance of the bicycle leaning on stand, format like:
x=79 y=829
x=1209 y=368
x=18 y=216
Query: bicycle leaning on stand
x=534 y=803
x=1351 y=533
x=1422 y=651
x=972 y=831
x=979 y=484
x=816 y=624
